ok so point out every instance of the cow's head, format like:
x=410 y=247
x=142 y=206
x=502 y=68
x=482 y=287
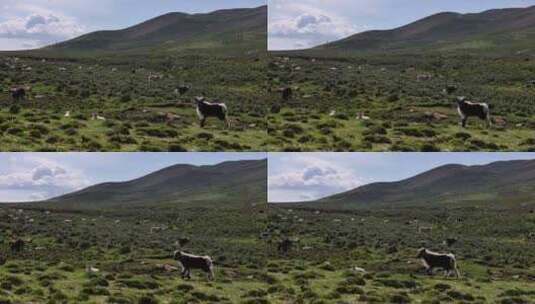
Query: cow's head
x=199 y=99
x=421 y=253
x=177 y=254
x=461 y=99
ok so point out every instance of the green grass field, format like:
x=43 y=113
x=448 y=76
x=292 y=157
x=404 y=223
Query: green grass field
x=140 y=115
x=332 y=248
x=403 y=101
x=133 y=263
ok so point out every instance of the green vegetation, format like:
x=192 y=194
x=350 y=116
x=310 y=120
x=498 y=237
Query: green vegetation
x=333 y=248
x=114 y=257
x=359 y=102
x=139 y=115
x=100 y=246
x=129 y=81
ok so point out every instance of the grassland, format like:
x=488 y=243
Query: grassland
x=403 y=100
x=133 y=264
x=492 y=247
x=139 y=115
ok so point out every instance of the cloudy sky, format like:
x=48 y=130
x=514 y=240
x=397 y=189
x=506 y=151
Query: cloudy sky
x=301 y=24
x=28 y=24
x=37 y=176
x=308 y=176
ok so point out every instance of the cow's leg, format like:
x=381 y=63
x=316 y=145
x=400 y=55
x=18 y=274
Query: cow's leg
x=489 y=121
x=226 y=119
x=464 y=120
x=211 y=275
x=457 y=273
x=203 y=120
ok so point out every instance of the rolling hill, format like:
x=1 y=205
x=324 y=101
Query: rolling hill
x=243 y=29
x=499 y=183
x=507 y=29
x=229 y=184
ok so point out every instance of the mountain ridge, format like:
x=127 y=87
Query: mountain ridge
x=229 y=184
x=452 y=183
x=446 y=30
x=241 y=28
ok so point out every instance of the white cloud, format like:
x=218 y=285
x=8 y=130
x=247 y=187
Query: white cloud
x=33 y=178
x=40 y=29
x=309 y=178
x=307 y=23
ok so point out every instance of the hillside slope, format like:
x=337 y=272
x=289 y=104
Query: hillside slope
x=229 y=184
x=504 y=28
x=499 y=183
x=232 y=28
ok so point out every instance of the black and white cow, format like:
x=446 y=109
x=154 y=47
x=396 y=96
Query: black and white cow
x=190 y=261
x=17 y=246
x=183 y=89
x=18 y=93
x=432 y=260
x=285 y=245
x=467 y=109
x=207 y=109
x=287 y=93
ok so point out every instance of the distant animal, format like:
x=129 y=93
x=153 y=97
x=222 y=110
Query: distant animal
x=183 y=89
x=432 y=260
x=451 y=89
x=91 y=269
x=156 y=229
x=361 y=116
x=467 y=109
x=17 y=246
x=95 y=116
x=183 y=241
x=287 y=93
x=18 y=93
x=285 y=246
x=425 y=229
x=190 y=261
x=424 y=77
x=451 y=241
x=207 y=109
x=68 y=114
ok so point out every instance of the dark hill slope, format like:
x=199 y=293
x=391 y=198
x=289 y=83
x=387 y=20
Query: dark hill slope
x=229 y=184
x=505 y=28
x=233 y=28
x=500 y=182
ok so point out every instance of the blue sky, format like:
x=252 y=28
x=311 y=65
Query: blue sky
x=308 y=176
x=37 y=176
x=34 y=23
x=306 y=23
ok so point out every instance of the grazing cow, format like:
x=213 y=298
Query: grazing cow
x=208 y=109
x=18 y=93
x=183 y=241
x=451 y=89
x=287 y=93
x=432 y=260
x=181 y=90
x=467 y=109
x=285 y=246
x=17 y=246
x=451 y=241
x=189 y=261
